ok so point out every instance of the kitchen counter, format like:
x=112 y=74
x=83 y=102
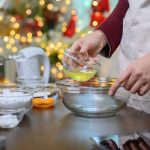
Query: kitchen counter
x=59 y=129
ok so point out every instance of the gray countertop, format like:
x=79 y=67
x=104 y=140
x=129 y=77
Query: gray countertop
x=59 y=129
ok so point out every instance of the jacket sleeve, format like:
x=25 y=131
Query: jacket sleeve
x=112 y=28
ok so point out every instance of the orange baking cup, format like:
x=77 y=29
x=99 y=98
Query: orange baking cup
x=43 y=102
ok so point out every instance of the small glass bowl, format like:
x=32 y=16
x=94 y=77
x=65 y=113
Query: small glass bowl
x=77 y=68
x=14 y=103
x=45 y=95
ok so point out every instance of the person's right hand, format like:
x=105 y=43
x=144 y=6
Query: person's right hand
x=90 y=45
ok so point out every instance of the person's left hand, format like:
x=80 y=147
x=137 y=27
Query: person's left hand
x=136 y=78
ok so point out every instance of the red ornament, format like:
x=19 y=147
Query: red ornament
x=70 y=31
x=30 y=25
x=19 y=18
x=101 y=5
x=97 y=18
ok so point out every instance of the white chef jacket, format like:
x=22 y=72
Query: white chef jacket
x=135 y=43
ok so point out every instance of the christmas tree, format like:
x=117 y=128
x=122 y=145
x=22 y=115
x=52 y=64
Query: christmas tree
x=50 y=24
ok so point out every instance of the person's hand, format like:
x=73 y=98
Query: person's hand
x=137 y=144
x=136 y=78
x=109 y=145
x=91 y=45
x=134 y=144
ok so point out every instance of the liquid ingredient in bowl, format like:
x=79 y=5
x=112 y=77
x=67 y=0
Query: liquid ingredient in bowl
x=81 y=76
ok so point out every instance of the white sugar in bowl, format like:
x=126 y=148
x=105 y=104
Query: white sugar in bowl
x=14 y=103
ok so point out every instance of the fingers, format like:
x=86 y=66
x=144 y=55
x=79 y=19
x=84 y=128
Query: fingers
x=90 y=45
x=119 y=82
x=129 y=83
x=126 y=146
x=113 y=145
x=82 y=47
x=142 y=144
x=138 y=144
x=76 y=46
x=109 y=144
x=132 y=81
x=136 y=86
x=94 y=60
x=84 y=50
x=134 y=145
x=131 y=145
x=144 y=89
x=94 y=52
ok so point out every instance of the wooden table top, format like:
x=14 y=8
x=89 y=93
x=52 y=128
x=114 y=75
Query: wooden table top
x=59 y=129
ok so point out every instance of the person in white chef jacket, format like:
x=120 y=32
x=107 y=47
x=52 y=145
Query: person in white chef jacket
x=134 y=57
x=134 y=45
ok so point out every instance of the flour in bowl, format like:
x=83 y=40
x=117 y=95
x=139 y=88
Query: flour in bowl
x=13 y=104
x=8 y=121
x=14 y=100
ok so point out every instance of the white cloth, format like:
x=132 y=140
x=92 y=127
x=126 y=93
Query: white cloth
x=135 y=43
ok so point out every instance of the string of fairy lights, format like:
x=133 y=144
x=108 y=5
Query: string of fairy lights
x=14 y=38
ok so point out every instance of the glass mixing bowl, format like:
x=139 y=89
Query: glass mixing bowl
x=90 y=98
x=77 y=68
x=14 y=103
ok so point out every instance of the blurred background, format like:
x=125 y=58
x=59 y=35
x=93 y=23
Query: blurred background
x=52 y=25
